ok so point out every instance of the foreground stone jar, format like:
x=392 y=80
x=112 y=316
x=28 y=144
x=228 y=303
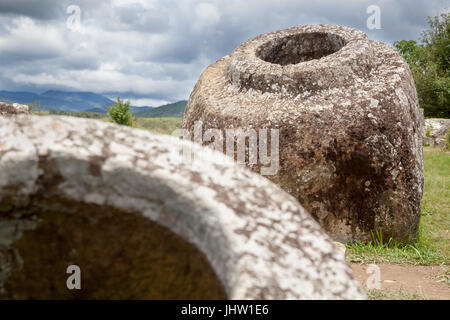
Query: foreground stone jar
x=141 y=223
x=350 y=126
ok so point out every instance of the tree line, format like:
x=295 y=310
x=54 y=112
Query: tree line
x=429 y=61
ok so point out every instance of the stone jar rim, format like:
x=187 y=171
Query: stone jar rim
x=248 y=70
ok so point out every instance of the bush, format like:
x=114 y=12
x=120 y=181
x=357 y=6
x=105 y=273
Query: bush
x=120 y=113
x=430 y=66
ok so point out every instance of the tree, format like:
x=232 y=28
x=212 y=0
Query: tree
x=429 y=62
x=120 y=112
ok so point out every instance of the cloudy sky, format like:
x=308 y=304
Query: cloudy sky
x=153 y=51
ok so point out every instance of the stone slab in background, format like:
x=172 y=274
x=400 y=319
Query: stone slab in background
x=435 y=132
x=13 y=109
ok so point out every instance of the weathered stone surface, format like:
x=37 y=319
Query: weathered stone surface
x=13 y=109
x=435 y=132
x=350 y=125
x=75 y=189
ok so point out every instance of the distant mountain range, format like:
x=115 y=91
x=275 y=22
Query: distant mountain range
x=136 y=109
x=86 y=102
x=60 y=100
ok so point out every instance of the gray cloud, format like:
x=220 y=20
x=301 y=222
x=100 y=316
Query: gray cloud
x=136 y=17
x=42 y=9
x=156 y=49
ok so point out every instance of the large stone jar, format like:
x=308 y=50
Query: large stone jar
x=141 y=222
x=349 y=124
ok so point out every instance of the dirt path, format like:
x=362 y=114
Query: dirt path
x=421 y=280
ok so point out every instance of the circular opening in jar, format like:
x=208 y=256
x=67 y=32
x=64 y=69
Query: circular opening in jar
x=119 y=256
x=301 y=47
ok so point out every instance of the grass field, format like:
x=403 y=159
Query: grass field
x=392 y=295
x=155 y=125
x=158 y=125
x=433 y=246
x=436 y=201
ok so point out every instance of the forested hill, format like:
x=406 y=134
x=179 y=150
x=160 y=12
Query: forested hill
x=169 y=110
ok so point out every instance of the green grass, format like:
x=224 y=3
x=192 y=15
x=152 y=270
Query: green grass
x=392 y=295
x=81 y=114
x=443 y=277
x=158 y=125
x=435 y=220
x=420 y=253
x=433 y=245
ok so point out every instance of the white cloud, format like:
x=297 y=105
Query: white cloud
x=206 y=16
x=143 y=102
x=26 y=38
